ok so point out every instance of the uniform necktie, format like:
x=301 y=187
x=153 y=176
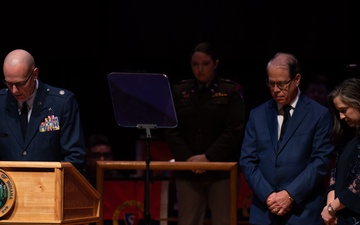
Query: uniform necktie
x=202 y=93
x=286 y=109
x=24 y=118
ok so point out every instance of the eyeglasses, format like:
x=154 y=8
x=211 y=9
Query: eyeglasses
x=280 y=85
x=19 y=84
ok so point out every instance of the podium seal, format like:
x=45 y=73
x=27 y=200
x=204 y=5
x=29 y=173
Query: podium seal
x=131 y=211
x=7 y=193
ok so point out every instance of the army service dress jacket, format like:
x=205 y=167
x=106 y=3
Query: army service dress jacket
x=210 y=123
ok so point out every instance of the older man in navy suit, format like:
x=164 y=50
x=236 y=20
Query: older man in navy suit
x=53 y=132
x=286 y=174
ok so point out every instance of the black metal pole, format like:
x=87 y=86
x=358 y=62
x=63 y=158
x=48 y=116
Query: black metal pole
x=147 y=215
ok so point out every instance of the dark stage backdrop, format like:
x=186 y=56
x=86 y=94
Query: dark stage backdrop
x=77 y=44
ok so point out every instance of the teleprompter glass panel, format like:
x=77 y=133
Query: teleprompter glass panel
x=142 y=99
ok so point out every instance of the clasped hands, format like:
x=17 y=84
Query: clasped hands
x=279 y=203
x=198 y=158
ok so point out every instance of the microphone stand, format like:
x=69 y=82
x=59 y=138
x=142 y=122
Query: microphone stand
x=147 y=127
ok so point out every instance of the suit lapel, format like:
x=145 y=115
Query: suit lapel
x=37 y=114
x=300 y=112
x=271 y=117
x=12 y=118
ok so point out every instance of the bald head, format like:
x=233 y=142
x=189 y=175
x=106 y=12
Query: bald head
x=20 y=74
x=19 y=57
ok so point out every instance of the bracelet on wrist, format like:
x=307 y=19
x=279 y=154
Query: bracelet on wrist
x=331 y=210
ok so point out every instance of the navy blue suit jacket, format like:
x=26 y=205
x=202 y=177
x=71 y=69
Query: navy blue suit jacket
x=298 y=165
x=54 y=132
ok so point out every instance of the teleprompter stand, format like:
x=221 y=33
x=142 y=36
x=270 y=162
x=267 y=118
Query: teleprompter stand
x=143 y=101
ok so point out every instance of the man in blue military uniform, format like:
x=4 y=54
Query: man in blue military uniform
x=52 y=118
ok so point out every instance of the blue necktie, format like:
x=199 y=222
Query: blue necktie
x=24 y=119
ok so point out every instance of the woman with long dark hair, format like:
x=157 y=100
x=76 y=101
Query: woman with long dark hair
x=343 y=197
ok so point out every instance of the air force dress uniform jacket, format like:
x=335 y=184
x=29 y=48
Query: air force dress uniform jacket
x=54 y=132
x=211 y=123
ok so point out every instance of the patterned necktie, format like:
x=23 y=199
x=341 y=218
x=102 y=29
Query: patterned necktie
x=286 y=109
x=24 y=118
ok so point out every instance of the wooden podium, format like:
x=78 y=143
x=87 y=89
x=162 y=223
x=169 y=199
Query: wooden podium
x=49 y=193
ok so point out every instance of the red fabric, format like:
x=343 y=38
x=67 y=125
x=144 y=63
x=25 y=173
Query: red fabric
x=124 y=198
x=121 y=197
x=159 y=150
x=245 y=193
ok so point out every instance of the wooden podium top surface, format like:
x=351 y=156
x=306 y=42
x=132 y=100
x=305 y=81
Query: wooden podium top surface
x=33 y=164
